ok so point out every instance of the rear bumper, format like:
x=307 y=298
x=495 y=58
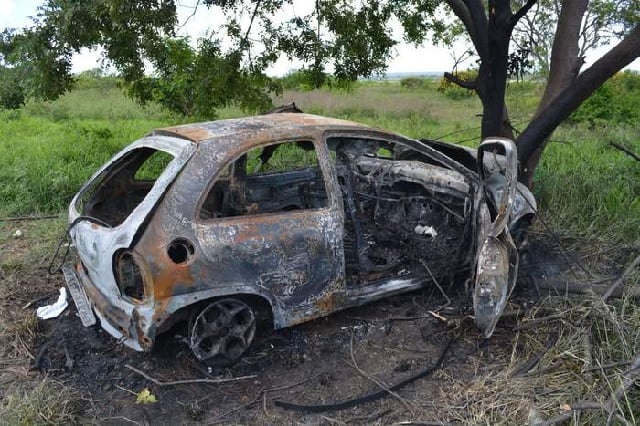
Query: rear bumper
x=127 y=328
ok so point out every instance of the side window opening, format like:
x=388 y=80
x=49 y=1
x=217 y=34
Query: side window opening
x=123 y=186
x=268 y=179
x=396 y=219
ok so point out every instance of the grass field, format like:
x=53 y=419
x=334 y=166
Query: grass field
x=584 y=186
x=588 y=195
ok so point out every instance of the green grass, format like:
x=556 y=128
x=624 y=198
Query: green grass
x=586 y=187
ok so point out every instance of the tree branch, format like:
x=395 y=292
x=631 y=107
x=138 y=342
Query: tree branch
x=572 y=97
x=625 y=150
x=474 y=18
x=523 y=11
x=462 y=12
x=253 y=17
x=620 y=280
x=471 y=85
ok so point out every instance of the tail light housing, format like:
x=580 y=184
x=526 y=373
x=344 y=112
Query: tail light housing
x=129 y=274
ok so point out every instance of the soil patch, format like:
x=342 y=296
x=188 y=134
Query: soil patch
x=311 y=364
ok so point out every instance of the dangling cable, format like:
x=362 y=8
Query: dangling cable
x=66 y=238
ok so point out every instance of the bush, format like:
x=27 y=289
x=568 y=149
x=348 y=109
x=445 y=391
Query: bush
x=452 y=90
x=615 y=102
x=96 y=79
x=414 y=83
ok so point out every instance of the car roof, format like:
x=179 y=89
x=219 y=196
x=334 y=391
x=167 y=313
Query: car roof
x=258 y=127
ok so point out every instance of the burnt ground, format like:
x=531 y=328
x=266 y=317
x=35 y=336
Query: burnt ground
x=313 y=364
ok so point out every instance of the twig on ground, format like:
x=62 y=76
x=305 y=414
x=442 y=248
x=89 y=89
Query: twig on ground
x=608 y=366
x=370 y=418
x=588 y=353
x=578 y=406
x=378 y=382
x=332 y=420
x=293 y=385
x=621 y=279
x=536 y=321
x=261 y=394
x=264 y=404
x=218 y=419
x=566 y=286
x=28 y=218
x=184 y=382
x=435 y=281
x=628 y=379
x=409 y=318
x=438 y=316
x=534 y=360
x=120 y=418
x=34 y=301
x=369 y=397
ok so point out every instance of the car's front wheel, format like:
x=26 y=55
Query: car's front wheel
x=222 y=332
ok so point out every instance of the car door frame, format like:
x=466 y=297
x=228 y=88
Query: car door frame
x=226 y=241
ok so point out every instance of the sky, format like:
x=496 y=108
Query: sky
x=407 y=58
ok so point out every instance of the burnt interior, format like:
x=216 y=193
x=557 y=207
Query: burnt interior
x=251 y=185
x=112 y=197
x=395 y=226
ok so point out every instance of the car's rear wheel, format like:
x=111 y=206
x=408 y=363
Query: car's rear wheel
x=222 y=332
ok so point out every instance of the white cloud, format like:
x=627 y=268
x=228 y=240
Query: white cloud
x=6 y=13
x=6 y=8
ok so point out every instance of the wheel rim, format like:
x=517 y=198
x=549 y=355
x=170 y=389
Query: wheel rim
x=223 y=331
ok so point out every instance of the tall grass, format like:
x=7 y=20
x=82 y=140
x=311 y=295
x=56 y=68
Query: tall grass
x=590 y=188
x=48 y=149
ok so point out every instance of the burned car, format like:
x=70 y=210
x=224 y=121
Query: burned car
x=290 y=216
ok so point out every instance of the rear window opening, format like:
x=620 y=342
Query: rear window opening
x=114 y=195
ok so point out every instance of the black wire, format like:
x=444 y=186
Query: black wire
x=66 y=238
x=370 y=397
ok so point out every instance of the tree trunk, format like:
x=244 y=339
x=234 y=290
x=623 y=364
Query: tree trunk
x=564 y=68
x=565 y=63
x=533 y=137
x=492 y=76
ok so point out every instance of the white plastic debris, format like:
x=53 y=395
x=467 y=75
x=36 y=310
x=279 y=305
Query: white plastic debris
x=429 y=231
x=17 y=234
x=54 y=310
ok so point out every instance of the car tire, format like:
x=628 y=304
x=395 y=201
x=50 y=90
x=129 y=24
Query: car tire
x=221 y=333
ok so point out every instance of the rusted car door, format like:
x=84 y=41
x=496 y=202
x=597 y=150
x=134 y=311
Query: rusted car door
x=264 y=233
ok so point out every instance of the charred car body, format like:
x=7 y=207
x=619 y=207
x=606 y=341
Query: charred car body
x=295 y=215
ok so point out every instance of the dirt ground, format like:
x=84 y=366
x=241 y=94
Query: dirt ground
x=351 y=354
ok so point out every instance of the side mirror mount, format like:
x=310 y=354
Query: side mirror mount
x=496 y=155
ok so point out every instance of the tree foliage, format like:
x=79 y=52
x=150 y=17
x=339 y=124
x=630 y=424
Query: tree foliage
x=11 y=91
